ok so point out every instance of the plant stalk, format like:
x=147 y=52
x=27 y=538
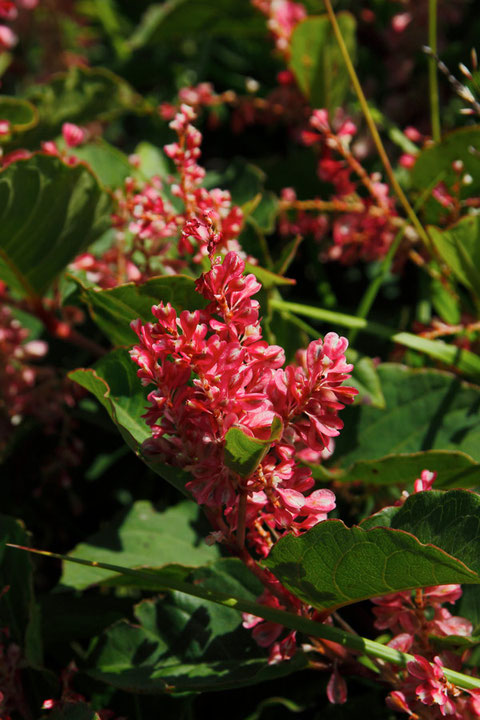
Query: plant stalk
x=373 y=130
x=432 y=71
x=290 y=620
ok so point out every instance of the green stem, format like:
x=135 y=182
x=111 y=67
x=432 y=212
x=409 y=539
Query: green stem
x=432 y=71
x=464 y=360
x=373 y=130
x=282 y=617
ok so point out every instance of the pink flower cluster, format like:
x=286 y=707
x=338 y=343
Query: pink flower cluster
x=9 y=11
x=361 y=228
x=151 y=231
x=17 y=375
x=73 y=136
x=212 y=371
x=434 y=697
x=413 y=619
x=283 y=16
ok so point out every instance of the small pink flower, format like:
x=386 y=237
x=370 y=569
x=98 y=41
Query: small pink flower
x=396 y=700
x=4 y=127
x=73 y=134
x=401 y=21
x=413 y=134
x=407 y=161
x=337 y=688
x=425 y=481
x=433 y=689
x=8 y=11
x=8 y=39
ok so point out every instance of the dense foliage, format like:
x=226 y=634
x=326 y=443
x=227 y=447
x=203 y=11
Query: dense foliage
x=239 y=371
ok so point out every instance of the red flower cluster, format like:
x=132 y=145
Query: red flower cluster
x=9 y=11
x=283 y=16
x=150 y=229
x=212 y=372
x=362 y=228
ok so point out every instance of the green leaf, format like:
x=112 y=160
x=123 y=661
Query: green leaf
x=317 y=62
x=455 y=469
x=21 y=115
x=434 y=165
x=243 y=454
x=18 y=610
x=49 y=212
x=114 y=382
x=446 y=306
x=264 y=214
x=109 y=164
x=425 y=410
x=331 y=565
x=450 y=521
x=152 y=160
x=200 y=18
x=366 y=379
x=182 y=643
x=69 y=617
x=81 y=96
x=114 y=309
x=142 y=537
x=459 y=247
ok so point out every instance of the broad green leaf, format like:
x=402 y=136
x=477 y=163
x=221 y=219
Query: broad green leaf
x=109 y=164
x=21 y=115
x=455 y=469
x=113 y=310
x=182 y=643
x=317 y=62
x=49 y=212
x=243 y=454
x=152 y=160
x=18 y=610
x=459 y=247
x=452 y=522
x=81 y=96
x=331 y=565
x=71 y=617
x=449 y=520
x=141 y=536
x=200 y=18
x=434 y=165
x=114 y=382
x=425 y=410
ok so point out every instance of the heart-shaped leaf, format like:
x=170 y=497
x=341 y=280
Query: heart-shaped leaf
x=49 y=212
